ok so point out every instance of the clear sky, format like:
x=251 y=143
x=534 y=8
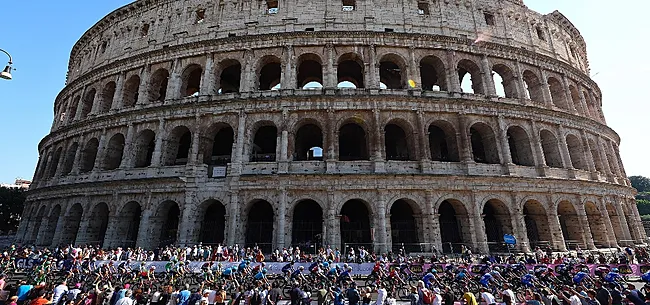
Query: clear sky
x=40 y=34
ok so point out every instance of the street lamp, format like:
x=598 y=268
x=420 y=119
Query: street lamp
x=6 y=73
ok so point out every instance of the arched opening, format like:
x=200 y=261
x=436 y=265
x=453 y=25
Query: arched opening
x=534 y=89
x=396 y=143
x=355 y=225
x=432 y=74
x=596 y=225
x=496 y=219
x=308 y=137
x=71 y=225
x=570 y=225
x=43 y=160
x=270 y=73
x=37 y=221
x=70 y=155
x=214 y=223
x=230 y=77
x=391 y=72
x=55 y=162
x=264 y=144
x=114 y=152
x=442 y=142
x=551 y=149
x=158 y=86
x=191 y=80
x=73 y=109
x=130 y=91
x=307 y=224
x=504 y=81
x=88 y=155
x=595 y=153
x=129 y=227
x=96 y=231
x=88 y=101
x=168 y=217
x=452 y=233
x=107 y=98
x=469 y=76
x=403 y=227
x=350 y=69
x=484 y=144
x=218 y=146
x=178 y=146
x=577 y=101
x=557 y=93
x=145 y=145
x=611 y=160
x=259 y=226
x=576 y=153
x=310 y=71
x=52 y=222
x=520 y=150
x=537 y=226
x=353 y=143
x=617 y=224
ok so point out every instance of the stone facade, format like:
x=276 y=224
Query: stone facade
x=423 y=124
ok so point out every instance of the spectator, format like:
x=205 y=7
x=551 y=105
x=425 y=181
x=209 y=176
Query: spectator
x=59 y=291
x=183 y=296
x=126 y=300
x=23 y=292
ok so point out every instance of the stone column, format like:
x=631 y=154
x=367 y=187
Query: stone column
x=128 y=155
x=584 y=223
x=465 y=142
x=333 y=217
x=623 y=221
x=414 y=73
x=240 y=138
x=372 y=72
x=488 y=80
x=546 y=90
x=208 y=77
x=42 y=231
x=432 y=223
x=248 y=73
x=62 y=157
x=60 y=225
x=282 y=221
x=99 y=160
x=604 y=160
x=196 y=139
x=557 y=238
x=156 y=157
x=289 y=81
x=97 y=100
x=642 y=238
x=144 y=231
x=538 y=150
x=381 y=233
x=118 y=101
x=506 y=157
x=189 y=226
x=143 y=90
x=330 y=78
x=564 y=148
x=233 y=219
x=568 y=96
x=77 y=157
x=424 y=151
x=519 y=78
x=519 y=225
x=332 y=139
x=113 y=238
x=452 y=72
x=587 y=150
x=611 y=236
x=77 y=115
x=175 y=81
x=378 y=147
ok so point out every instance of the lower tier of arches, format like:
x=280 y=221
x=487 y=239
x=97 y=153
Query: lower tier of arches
x=382 y=212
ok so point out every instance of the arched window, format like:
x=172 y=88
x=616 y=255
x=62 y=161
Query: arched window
x=484 y=144
x=537 y=225
x=519 y=143
x=54 y=163
x=69 y=158
x=404 y=226
x=218 y=145
x=158 y=86
x=114 y=152
x=310 y=72
x=350 y=70
x=353 y=143
x=396 y=143
x=533 y=87
x=595 y=153
x=178 y=146
x=191 y=80
x=167 y=219
x=577 y=101
x=96 y=230
x=73 y=109
x=557 y=93
x=442 y=142
x=576 y=152
x=432 y=73
x=307 y=224
x=497 y=222
x=355 y=224
x=88 y=156
x=145 y=144
x=264 y=144
x=550 y=148
x=230 y=77
x=214 y=223
x=128 y=228
x=452 y=233
x=469 y=75
x=108 y=93
x=259 y=226
x=130 y=91
x=71 y=225
x=270 y=73
x=504 y=81
x=391 y=72
x=308 y=137
x=87 y=105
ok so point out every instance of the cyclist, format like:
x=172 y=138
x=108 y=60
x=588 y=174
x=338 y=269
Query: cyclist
x=261 y=276
x=528 y=279
x=486 y=279
x=579 y=277
x=288 y=269
x=345 y=276
x=613 y=277
x=427 y=279
x=297 y=275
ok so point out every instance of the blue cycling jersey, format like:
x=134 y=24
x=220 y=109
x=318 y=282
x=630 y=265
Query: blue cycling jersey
x=259 y=276
x=646 y=277
x=485 y=279
x=579 y=277
x=296 y=273
x=612 y=277
x=287 y=267
x=227 y=272
x=527 y=279
x=427 y=278
x=332 y=271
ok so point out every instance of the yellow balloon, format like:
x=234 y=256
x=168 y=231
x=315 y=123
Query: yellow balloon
x=412 y=83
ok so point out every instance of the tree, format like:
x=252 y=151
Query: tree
x=12 y=202
x=640 y=183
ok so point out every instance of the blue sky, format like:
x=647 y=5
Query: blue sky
x=40 y=34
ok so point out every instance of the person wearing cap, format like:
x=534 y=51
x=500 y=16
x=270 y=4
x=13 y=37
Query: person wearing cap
x=126 y=300
x=487 y=297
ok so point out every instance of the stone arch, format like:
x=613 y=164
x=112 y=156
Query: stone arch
x=73 y=109
x=576 y=152
x=392 y=71
x=229 y=76
x=577 y=101
x=70 y=155
x=114 y=152
x=596 y=225
x=37 y=221
x=308 y=141
x=399 y=142
x=558 y=95
x=443 y=143
x=497 y=222
x=145 y=145
x=405 y=225
x=307 y=223
x=452 y=214
x=88 y=155
x=572 y=231
x=433 y=74
x=260 y=225
x=617 y=224
x=504 y=81
x=595 y=153
x=534 y=87
x=537 y=225
x=131 y=91
x=355 y=224
x=191 y=80
x=610 y=159
x=106 y=100
x=71 y=224
x=470 y=77
x=309 y=71
x=157 y=89
x=52 y=222
x=165 y=224
x=353 y=142
x=218 y=142
x=179 y=143
x=269 y=72
x=87 y=103
x=484 y=144
x=54 y=164
x=520 y=150
x=551 y=149
x=213 y=224
x=129 y=225
x=265 y=140
x=97 y=224
x=350 y=69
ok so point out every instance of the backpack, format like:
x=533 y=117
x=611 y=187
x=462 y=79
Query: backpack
x=427 y=296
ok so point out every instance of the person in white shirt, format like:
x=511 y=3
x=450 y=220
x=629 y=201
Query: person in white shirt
x=381 y=295
x=126 y=300
x=487 y=297
x=507 y=295
x=438 y=297
x=58 y=292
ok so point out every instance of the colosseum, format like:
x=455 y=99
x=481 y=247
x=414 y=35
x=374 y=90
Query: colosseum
x=416 y=124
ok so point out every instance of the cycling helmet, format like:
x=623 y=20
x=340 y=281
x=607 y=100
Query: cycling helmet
x=264 y=271
x=615 y=270
x=301 y=267
x=497 y=269
x=326 y=264
x=152 y=268
x=531 y=271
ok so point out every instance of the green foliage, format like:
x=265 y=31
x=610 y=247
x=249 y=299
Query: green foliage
x=645 y=217
x=640 y=183
x=12 y=202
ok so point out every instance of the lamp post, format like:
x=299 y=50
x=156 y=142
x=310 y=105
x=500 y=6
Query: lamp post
x=6 y=73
